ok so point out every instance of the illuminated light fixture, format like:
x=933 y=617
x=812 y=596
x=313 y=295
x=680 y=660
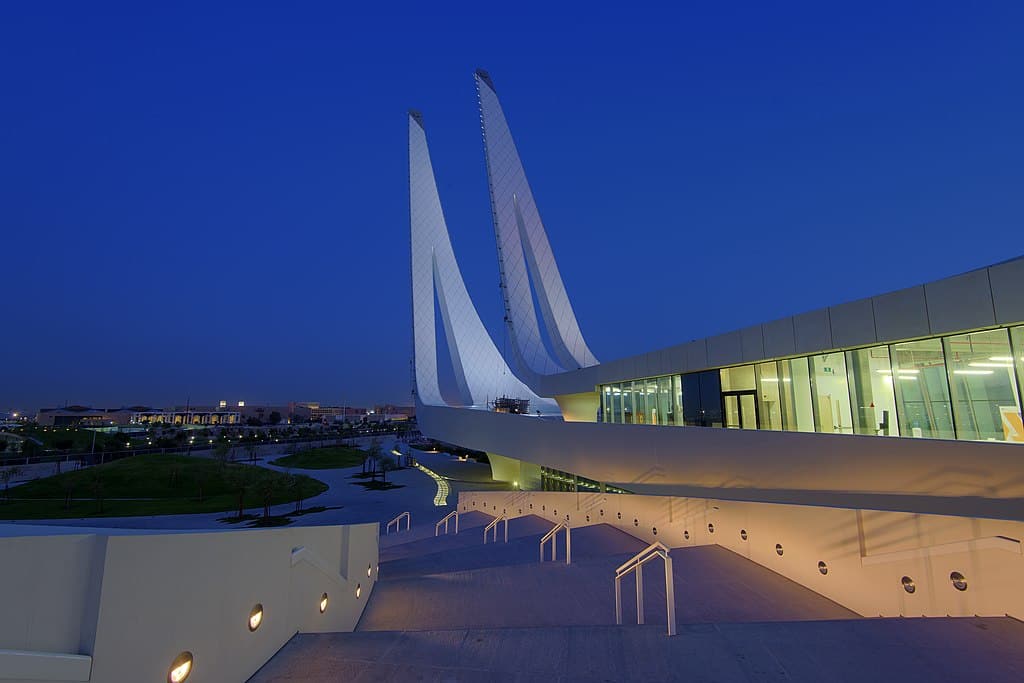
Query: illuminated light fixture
x=256 y=617
x=359 y=590
x=181 y=667
x=769 y=379
x=906 y=377
x=369 y=569
x=908 y=371
x=990 y=365
x=973 y=372
x=323 y=603
x=1002 y=358
x=241 y=404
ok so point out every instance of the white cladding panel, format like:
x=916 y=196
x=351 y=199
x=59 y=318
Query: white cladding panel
x=481 y=372
x=528 y=265
x=960 y=303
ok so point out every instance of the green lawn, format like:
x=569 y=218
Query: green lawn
x=154 y=485
x=330 y=458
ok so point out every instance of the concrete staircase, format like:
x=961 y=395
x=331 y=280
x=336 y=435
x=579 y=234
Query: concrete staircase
x=453 y=609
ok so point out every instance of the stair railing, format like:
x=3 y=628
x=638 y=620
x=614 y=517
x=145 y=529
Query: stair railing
x=397 y=522
x=635 y=566
x=444 y=520
x=494 y=525
x=553 y=537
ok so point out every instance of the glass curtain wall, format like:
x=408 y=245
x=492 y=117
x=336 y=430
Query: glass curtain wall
x=922 y=390
x=872 y=395
x=982 y=384
x=831 y=394
x=965 y=386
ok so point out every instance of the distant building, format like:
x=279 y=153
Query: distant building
x=83 y=416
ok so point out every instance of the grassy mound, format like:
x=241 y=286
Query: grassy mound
x=329 y=458
x=154 y=485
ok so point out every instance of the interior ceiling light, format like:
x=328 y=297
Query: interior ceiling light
x=973 y=372
x=990 y=365
x=1001 y=358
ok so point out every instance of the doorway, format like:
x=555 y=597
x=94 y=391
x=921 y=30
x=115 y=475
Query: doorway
x=740 y=408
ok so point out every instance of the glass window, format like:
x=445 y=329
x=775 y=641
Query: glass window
x=1015 y=426
x=664 y=400
x=677 y=396
x=922 y=391
x=769 y=406
x=872 y=395
x=627 y=402
x=738 y=379
x=654 y=414
x=982 y=384
x=639 y=403
x=702 y=399
x=831 y=394
x=795 y=390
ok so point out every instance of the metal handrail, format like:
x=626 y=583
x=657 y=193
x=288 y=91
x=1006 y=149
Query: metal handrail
x=553 y=537
x=635 y=565
x=494 y=525
x=444 y=520
x=641 y=557
x=397 y=521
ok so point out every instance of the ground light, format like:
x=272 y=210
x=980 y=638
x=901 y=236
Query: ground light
x=323 y=603
x=256 y=617
x=181 y=668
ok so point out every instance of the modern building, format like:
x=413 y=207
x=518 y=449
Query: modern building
x=876 y=442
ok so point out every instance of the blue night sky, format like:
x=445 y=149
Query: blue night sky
x=211 y=202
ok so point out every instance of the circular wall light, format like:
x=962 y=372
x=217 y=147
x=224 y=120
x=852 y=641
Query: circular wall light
x=823 y=568
x=778 y=549
x=908 y=584
x=743 y=534
x=181 y=668
x=359 y=590
x=959 y=582
x=711 y=528
x=255 y=617
x=323 y=603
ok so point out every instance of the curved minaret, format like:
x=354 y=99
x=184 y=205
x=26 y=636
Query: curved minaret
x=481 y=373
x=553 y=342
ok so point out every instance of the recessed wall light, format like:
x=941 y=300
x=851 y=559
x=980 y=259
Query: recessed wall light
x=323 y=603
x=181 y=668
x=359 y=590
x=256 y=617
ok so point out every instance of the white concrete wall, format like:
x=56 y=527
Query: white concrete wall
x=133 y=602
x=867 y=553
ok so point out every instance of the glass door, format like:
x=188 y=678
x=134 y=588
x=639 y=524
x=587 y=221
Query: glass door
x=740 y=409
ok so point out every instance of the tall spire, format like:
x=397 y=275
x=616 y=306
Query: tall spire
x=553 y=341
x=480 y=371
